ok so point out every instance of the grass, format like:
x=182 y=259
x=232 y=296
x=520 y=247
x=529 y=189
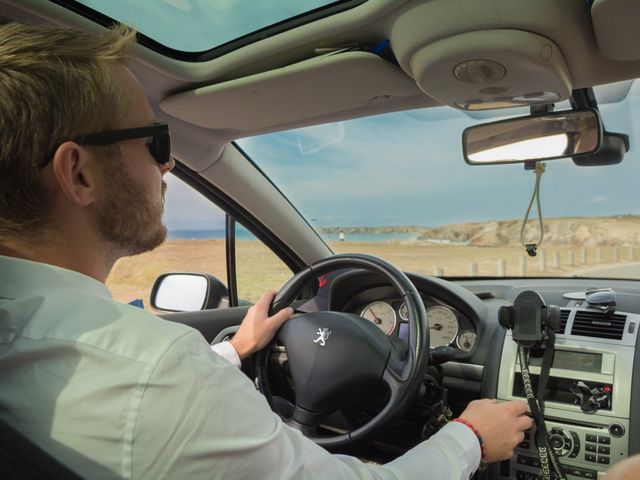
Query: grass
x=258 y=269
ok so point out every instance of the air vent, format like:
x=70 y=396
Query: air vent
x=564 y=316
x=598 y=325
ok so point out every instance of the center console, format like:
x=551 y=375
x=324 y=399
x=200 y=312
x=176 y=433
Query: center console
x=588 y=435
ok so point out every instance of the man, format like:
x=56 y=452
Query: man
x=109 y=389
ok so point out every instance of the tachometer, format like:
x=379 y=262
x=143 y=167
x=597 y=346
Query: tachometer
x=382 y=314
x=443 y=326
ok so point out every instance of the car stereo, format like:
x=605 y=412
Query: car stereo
x=587 y=401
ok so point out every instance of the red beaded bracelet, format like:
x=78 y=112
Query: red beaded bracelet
x=483 y=456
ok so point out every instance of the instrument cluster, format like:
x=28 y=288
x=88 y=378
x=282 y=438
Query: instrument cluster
x=447 y=326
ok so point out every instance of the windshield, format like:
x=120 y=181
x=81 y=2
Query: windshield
x=396 y=186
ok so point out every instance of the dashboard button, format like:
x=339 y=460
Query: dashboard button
x=591 y=438
x=526 y=476
x=604 y=450
x=604 y=440
x=576 y=471
x=603 y=460
x=589 y=457
x=556 y=441
x=590 y=447
x=616 y=430
x=523 y=460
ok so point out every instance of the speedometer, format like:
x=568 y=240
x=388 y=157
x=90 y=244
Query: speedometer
x=382 y=314
x=443 y=326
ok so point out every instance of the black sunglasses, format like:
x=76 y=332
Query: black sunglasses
x=159 y=147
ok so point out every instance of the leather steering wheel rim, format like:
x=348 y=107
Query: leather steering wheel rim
x=403 y=377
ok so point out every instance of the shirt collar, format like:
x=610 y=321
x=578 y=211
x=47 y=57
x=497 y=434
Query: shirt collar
x=19 y=276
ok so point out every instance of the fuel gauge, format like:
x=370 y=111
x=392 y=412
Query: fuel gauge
x=466 y=341
x=404 y=312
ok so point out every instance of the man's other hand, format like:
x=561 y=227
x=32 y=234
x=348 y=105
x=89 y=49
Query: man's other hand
x=501 y=425
x=628 y=469
x=258 y=328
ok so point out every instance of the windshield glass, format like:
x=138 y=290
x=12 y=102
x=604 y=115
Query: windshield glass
x=396 y=186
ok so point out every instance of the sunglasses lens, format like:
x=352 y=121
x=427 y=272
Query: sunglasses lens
x=160 y=148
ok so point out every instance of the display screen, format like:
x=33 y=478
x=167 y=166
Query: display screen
x=580 y=361
x=403 y=332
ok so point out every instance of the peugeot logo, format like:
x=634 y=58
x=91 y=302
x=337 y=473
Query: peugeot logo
x=323 y=336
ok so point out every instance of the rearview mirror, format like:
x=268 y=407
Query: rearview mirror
x=188 y=292
x=533 y=138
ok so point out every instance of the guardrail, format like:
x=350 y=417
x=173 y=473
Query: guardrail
x=561 y=261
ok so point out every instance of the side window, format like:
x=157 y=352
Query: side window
x=258 y=269
x=195 y=243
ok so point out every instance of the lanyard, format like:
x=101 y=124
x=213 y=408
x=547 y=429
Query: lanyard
x=548 y=458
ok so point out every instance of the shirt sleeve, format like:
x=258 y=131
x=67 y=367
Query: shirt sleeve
x=200 y=417
x=226 y=351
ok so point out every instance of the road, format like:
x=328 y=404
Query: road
x=620 y=270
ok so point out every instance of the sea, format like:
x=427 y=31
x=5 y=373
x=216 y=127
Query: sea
x=242 y=234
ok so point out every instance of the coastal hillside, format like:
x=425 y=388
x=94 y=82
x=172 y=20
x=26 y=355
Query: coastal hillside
x=621 y=230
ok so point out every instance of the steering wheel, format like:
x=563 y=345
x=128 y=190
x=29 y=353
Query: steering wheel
x=336 y=359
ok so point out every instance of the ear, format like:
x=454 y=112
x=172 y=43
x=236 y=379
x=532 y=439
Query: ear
x=75 y=173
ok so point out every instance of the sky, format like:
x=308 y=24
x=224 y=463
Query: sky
x=407 y=169
x=210 y=23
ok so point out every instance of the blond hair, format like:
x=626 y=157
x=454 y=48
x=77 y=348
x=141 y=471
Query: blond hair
x=56 y=84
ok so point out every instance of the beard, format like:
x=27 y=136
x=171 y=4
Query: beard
x=129 y=220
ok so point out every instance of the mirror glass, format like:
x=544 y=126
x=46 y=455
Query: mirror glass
x=181 y=292
x=538 y=137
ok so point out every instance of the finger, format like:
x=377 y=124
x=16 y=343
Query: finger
x=265 y=300
x=525 y=422
x=519 y=407
x=282 y=316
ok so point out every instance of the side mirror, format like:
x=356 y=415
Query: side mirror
x=538 y=137
x=188 y=292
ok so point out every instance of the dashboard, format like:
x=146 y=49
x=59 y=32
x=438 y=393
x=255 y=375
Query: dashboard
x=464 y=314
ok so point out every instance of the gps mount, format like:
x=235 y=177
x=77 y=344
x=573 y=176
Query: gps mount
x=529 y=319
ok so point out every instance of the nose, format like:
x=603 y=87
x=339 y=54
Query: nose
x=167 y=167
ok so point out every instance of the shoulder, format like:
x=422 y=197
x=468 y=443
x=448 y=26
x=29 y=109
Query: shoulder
x=95 y=322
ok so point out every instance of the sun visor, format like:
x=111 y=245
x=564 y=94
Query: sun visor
x=615 y=23
x=322 y=85
x=492 y=69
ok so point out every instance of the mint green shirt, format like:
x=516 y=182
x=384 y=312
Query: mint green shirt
x=113 y=391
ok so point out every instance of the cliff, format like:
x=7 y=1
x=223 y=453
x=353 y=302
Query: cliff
x=621 y=230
